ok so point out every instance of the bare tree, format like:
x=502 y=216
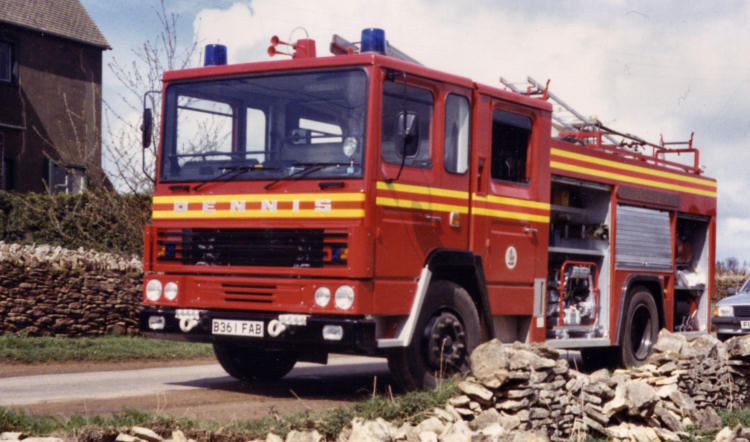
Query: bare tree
x=122 y=118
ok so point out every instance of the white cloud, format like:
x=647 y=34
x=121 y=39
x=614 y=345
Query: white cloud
x=733 y=234
x=641 y=67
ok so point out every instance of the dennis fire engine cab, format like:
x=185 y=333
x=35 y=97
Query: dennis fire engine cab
x=362 y=203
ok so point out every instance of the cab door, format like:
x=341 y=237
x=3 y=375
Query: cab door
x=510 y=209
x=423 y=178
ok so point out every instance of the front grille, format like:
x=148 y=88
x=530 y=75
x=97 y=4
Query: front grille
x=253 y=247
x=742 y=310
x=236 y=292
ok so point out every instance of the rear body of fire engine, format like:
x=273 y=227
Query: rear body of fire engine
x=362 y=203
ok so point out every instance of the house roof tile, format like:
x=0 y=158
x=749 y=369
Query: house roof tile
x=64 y=18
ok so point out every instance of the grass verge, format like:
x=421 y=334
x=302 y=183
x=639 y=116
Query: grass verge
x=411 y=407
x=27 y=350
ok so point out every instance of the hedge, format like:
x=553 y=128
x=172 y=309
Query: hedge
x=98 y=220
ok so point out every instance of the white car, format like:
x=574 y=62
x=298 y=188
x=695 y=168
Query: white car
x=732 y=314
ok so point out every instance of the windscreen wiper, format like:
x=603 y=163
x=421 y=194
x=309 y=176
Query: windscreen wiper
x=307 y=169
x=230 y=172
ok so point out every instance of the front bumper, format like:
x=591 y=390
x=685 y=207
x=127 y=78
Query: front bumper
x=730 y=325
x=357 y=334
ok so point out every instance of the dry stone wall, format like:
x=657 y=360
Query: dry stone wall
x=527 y=392
x=52 y=291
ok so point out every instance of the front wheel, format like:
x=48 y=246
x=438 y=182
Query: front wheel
x=641 y=327
x=446 y=333
x=252 y=364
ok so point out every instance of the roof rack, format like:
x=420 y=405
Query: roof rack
x=573 y=127
x=341 y=46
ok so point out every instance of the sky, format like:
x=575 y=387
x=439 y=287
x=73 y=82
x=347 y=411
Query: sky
x=642 y=67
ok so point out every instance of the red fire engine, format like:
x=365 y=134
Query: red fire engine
x=363 y=203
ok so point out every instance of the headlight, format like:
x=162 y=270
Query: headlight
x=170 y=291
x=344 y=297
x=153 y=290
x=725 y=311
x=322 y=296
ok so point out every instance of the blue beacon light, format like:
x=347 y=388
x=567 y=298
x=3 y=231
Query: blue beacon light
x=215 y=55
x=373 y=40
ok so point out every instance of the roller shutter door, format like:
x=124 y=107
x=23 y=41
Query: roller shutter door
x=643 y=239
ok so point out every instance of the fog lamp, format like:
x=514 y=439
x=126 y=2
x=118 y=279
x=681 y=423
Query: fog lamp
x=156 y=322
x=333 y=332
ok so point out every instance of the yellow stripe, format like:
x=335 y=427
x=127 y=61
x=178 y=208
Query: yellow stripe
x=335 y=213
x=420 y=205
x=631 y=168
x=630 y=179
x=511 y=201
x=511 y=215
x=257 y=197
x=421 y=190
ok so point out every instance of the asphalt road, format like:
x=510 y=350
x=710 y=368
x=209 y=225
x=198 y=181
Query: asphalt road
x=344 y=378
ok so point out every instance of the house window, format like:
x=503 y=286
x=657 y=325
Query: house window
x=6 y=62
x=66 y=178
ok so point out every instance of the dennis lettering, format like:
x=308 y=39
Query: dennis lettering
x=266 y=206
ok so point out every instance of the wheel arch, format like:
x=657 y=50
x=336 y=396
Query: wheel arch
x=654 y=285
x=465 y=269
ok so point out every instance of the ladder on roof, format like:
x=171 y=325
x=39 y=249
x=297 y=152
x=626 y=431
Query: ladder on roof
x=591 y=132
x=580 y=122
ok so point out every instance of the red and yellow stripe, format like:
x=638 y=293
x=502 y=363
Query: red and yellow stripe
x=566 y=161
x=511 y=208
x=407 y=196
x=433 y=199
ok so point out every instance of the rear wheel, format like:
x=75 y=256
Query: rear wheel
x=641 y=327
x=252 y=364
x=446 y=332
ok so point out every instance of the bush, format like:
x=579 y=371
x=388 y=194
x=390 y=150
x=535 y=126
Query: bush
x=98 y=220
x=725 y=281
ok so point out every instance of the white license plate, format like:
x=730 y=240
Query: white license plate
x=745 y=324
x=232 y=327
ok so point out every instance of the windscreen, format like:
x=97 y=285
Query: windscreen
x=307 y=125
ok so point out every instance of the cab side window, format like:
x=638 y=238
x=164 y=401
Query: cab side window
x=407 y=118
x=456 y=158
x=510 y=146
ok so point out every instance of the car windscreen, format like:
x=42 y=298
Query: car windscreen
x=308 y=124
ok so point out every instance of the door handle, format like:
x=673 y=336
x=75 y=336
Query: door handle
x=530 y=230
x=432 y=218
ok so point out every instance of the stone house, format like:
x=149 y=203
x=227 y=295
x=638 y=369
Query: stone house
x=50 y=96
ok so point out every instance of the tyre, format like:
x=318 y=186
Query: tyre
x=446 y=333
x=252 y=364
x=722 y=337
x=596 y=358
x=641 y=327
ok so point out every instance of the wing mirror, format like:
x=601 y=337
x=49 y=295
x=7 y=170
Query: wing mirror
x=147 y=128
x=408 y=130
